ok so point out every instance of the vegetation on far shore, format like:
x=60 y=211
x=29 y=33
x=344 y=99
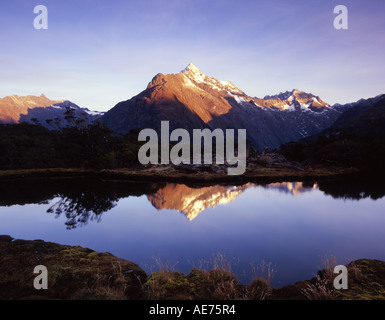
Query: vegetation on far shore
x=26 y=146
x=83 y=274
x=32 y=150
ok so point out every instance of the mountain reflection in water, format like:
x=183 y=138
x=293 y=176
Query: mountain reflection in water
x=84 y=200
x=192 y=201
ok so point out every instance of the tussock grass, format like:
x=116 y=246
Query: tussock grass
x=214 y=279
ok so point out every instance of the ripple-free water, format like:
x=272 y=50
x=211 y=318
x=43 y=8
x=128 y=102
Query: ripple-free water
x=292 y=225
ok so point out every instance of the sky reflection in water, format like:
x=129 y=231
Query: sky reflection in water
x=292 y=225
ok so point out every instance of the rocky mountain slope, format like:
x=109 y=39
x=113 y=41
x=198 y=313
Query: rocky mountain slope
x=192 y=100
x=12 y=107
x=355 y=139
x=52 y=114
x=365 y=116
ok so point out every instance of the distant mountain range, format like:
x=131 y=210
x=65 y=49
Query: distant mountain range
x=363 y=116
x=192 y=100
x=354 y=140
x=48 y=113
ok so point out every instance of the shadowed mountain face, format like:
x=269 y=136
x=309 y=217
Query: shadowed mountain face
x=356 y=139
x=192 y=100
x=48 y=113
x=365 y=116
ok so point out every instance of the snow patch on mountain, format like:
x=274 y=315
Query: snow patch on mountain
x=197 y=76
x=194 y=73
x=237 y=98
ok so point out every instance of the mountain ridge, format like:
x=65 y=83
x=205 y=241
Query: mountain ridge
x=11 y=107
x=52 y=114
x=192 y=100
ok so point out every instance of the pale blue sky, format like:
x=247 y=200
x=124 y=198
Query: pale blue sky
x=97 y=52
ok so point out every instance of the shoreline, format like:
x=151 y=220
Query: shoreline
x=263 y=175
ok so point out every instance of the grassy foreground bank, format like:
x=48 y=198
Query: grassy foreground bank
x=81 y=273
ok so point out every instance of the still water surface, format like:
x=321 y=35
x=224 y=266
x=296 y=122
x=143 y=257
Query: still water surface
x=292 y=225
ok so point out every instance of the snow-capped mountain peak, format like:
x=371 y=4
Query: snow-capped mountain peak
x=284 y=95
x=190 y=99
x=194 y=74
x=304 y=99
x=191 y=67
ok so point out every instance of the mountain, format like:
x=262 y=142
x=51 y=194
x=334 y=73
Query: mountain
x=285 y=100
x=355 y=139
x=41 y=110
x=364 y=116
x=12 y=107
x=192 y=100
